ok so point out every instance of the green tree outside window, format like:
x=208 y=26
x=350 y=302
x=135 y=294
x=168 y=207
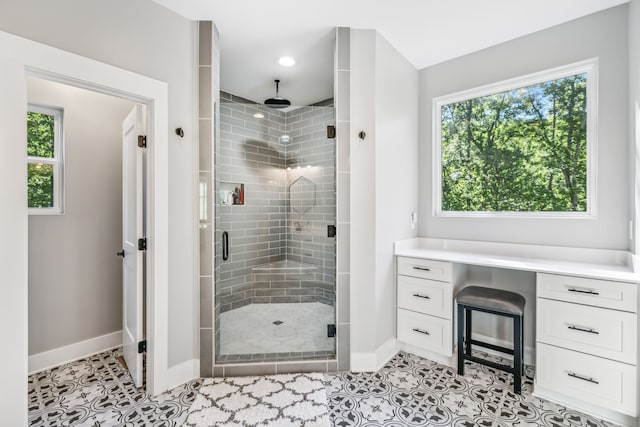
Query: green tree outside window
x=522 y=150
x=43 y=159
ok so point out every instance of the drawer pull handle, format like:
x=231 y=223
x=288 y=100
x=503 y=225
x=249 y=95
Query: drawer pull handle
x=422 y=296
x=577 y=328
x=421 y=331
x=580 y=377
x=584 y=291
x=421 y=268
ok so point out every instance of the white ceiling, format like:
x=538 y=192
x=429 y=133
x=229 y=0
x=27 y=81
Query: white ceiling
x=255 y=33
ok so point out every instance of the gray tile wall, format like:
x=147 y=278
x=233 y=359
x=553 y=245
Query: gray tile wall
x=249 y=153
x=312 y=192
x=342 y=82
x=209 y=83
x=255 y=153
x=342 y=177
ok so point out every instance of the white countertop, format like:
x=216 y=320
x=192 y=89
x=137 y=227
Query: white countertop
x=584 y=262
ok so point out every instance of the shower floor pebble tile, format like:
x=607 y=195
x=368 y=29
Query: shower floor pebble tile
x=276 y=328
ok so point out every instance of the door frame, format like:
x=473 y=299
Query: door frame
x=61 y=66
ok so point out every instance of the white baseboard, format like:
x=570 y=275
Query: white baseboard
x=182 y=373
x=435 y=357
x=369 y=362
x=61 y=355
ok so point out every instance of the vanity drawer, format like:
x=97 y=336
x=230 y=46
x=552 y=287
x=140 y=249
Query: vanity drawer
x=424 y=331
x=426 y=296
x=600 y=293
x=425 y=269
x=592 y=379
x=597 y=331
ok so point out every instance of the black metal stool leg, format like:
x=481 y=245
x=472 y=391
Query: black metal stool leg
x=467 y=331
x=461 y=311
x=517 y=354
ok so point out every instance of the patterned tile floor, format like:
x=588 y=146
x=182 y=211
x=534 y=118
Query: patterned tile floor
x=412 y=391
x=98 y=392
x=408 y=391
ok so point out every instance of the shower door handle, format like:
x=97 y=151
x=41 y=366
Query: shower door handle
x=225 y=246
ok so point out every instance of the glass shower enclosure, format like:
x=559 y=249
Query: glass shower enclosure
x=275 y=211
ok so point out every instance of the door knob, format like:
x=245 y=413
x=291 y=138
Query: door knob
x=121 y=253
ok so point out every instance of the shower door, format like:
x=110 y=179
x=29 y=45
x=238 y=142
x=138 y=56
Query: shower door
x=275 y=246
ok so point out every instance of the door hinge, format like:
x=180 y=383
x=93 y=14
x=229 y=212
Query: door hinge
x=142 y=141
x=331 y=131
x=142 y=244
x=331 y=231
x=142 y=346
x=331 y=331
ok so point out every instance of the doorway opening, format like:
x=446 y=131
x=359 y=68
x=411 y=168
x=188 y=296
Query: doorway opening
x=86 y=213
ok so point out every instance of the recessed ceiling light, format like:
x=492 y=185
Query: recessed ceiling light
x=258 y=116
x=287 y=61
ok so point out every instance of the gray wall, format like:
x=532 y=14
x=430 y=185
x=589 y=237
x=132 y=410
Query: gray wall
x=144 y=37
x=75 y=278
x=602 y=35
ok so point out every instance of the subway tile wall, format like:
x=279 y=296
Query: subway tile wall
x=295 y=242
x=286 y=165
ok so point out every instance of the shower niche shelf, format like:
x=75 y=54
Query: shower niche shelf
x=231 y=194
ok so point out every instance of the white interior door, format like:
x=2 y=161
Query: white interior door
x=132 y=230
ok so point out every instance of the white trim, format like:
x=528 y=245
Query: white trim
x=57 y=161
x=183 y=373
x=69 y=353
x=64 y=67
x=369 y=362
x=590 y=67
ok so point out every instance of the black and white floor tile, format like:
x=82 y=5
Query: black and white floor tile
x=412 y=391
x=408 y=391
x=98 y=392
x=271 y=401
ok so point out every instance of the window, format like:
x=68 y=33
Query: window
x=524 y=147
x=44 y=159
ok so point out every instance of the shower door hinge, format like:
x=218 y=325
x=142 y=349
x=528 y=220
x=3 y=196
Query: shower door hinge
x=331 y=331
x=142 y=244
x=331 y=231
x=331 y=132
x=142 y=346
x=142 y=141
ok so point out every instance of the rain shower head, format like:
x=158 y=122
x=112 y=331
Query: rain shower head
x=277 y=102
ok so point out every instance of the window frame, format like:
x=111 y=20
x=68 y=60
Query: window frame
x=588 y=67
x=57 y=161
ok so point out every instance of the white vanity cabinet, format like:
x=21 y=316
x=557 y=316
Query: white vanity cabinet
x=586 y=334
x=586 y=315
x=424 y=304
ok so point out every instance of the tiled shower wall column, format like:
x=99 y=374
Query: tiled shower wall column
x=342 y=82
x=209 y=89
